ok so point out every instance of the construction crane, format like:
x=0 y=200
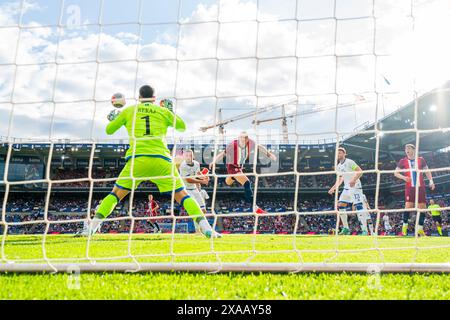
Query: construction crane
x=284 y=117
x=221 y=123
x=284 y=125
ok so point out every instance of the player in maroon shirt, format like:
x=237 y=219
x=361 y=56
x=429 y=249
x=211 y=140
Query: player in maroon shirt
x=152 y=211
x=407 y=170
x=237 y=153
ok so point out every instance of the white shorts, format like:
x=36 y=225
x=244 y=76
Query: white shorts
x=387 y=226
x=351 y=196
x=197 y=195
x=204 y=194
x=363 y=215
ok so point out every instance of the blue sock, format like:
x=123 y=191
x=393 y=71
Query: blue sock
x=248 y=192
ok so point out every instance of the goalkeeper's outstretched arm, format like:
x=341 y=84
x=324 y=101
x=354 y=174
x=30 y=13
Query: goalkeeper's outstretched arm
x=175 y=121
x=116 y=123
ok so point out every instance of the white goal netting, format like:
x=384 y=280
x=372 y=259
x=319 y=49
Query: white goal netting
x=301 y=77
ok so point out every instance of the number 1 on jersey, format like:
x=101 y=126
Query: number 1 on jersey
x=147 y=125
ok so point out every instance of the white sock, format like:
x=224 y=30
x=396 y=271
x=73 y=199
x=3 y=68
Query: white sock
x=204 y=226
x=362 y=221
x=364 y=226
x=371 y=228
x=344 y=219
x=95 y=225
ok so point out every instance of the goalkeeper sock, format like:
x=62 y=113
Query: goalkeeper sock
x=107 y=206
x=344 y=219
x=193 y=209
x=439 y=230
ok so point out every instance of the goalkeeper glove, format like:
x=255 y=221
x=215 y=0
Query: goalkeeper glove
x=113 y=115
x=168 y=104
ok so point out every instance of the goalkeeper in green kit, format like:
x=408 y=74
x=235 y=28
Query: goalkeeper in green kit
x=148 y=158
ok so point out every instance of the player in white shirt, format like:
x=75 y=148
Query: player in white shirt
x=387 y=224
x=190 y=171
x=349 y=173
x=365 y=218
x=193 y=178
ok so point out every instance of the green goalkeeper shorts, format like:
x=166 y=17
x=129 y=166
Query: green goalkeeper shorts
x=159 y=170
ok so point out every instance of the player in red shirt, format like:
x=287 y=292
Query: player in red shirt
x=407 y=170
x=237 y=153
x=152 y=211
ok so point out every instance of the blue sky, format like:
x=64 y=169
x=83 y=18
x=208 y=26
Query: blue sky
x=237 y=65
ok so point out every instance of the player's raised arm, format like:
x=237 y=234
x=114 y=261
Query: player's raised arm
x=173 y=120
x=197 y=180
x=267 y=153
x=180 y=125
x=217 y=158
x=117 y=121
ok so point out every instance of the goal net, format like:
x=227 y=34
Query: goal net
x=305 y=80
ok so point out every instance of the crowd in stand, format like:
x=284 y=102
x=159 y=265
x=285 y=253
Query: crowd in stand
x=28 y=209
x=319 y=181
x=311 y=220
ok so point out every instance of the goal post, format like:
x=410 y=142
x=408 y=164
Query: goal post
x=332 y=73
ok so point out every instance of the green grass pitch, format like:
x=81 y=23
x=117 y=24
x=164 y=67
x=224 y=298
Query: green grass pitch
x=231 y=248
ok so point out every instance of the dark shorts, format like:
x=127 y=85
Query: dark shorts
x=410 y=195
x=234 y=169
x=437 y=219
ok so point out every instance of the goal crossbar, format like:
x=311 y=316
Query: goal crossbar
x=369 y=268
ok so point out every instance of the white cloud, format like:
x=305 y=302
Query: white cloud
x=277 y=39
x=317 y=75
x=236 y=77
x=316 y=37
x=237 y=10
x=198 y=41
x=355 y=36
x=237 y=40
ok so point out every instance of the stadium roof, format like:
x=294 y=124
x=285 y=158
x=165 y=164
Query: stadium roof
x=433 y=117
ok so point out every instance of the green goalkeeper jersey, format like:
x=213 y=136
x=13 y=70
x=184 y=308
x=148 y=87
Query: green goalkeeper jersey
x=435 y=209
x=150 y=129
